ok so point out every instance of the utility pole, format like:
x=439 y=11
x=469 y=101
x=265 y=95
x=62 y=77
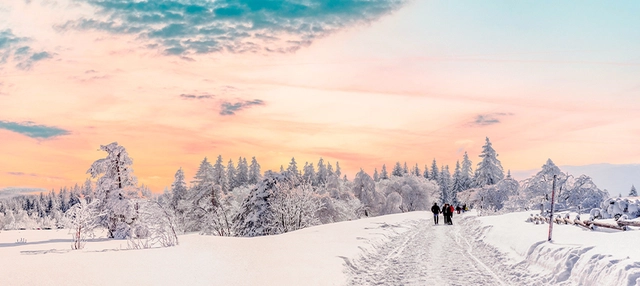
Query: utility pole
x=553 y=197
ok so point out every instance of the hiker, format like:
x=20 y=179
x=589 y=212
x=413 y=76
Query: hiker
x=451 y=210
x=446 y=212
x=435 y=209
x=458 y=209
x=464 y=208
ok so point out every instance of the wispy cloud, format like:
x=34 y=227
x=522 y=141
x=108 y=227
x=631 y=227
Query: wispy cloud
x=14 y=47
x=489 y=119
x=32 y=130
x=227 y=108
x=198 y=27
x=193 y=96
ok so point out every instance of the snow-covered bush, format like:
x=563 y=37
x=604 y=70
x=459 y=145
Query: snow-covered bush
x=155 y=225
x=616 y=207
x=82 y=219
x=407 y=193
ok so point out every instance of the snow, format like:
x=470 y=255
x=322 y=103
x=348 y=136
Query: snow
x=399 y=249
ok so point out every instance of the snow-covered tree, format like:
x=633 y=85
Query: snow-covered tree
x=407 y=193
x=82 y=219
x=489 y=170
x=425 y=174
x=376 y=176
x=435 y=173
x=309 y=173
x=397 y=170
x=322 y=173
x=633 y=192
x=466 y=172
x=445 y=186
x=231 y=177
x=384 y=175
x=242 y=175
x=294 y=205
x=293 y=167
x=338 y=170
x=364 y=188
x=218 y=173
x=87 y=191
x=254 y=172
x=416 y=171
x=178 y=189
x=115 y=189
x=457 y=184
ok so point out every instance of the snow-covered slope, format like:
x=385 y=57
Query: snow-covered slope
x=502 y=248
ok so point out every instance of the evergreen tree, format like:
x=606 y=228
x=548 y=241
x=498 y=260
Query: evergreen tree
x=254 y=171
x=397 y=170
x=293 y=167
x=322 y=173
x=178 y=189
x=219 y=176
x=329 y=170
x=376 y=177
x=466 y=172
x=633 y=192
x=425 y=174
x=445 y=186
x=231 y=177
x=338 y=171
x=242 y=174
x=384 y=175
x=405 y=169
x=416 y=171
x=457 y=185
x=204 y=174
x=489 y=170
x=435 y=174
x=87 y=191
x=309 y=174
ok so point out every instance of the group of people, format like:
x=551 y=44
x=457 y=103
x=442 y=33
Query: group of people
x=446 y=211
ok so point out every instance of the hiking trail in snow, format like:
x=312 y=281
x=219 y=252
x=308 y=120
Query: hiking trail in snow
x=429 y=254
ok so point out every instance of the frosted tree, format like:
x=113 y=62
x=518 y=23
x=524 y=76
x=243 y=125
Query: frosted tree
x=115 y=189
x=293 y=167
x=82 y=220
x=309 y=173
x=364 y=188
x=256 y=215
x=156 y=226
x=435 y=173
x=633 y=192
x=457 y=184
x=376 y=176
x=489 y=170
x=405 y=169
x=330 y=171
x=219 y=174
x=294 y=206
x=322 y=173
x=466 y=172
x=445 y=187
x=416 y=171
x=254 y=171
x=338 y=170
x=397 y=170
x=190 y=212
x=87 y=191
x=242 y=176
x=425 y=174
x=231 y=177
x=178 y=189
x=384 y=175
x=495 y=197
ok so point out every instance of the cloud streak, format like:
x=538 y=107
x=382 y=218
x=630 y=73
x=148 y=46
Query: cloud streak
x=227 y=108
x=32 y=130
x=14 y=47
x=489 y=119
x=193 y=96
x=183 y=27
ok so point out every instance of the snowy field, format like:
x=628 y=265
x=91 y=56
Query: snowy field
x=401 y=249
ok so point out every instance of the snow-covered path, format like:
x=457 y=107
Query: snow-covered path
x=426 y=254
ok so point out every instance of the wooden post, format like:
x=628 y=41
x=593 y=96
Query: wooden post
x=553 y=196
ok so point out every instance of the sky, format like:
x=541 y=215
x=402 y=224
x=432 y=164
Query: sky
x=362 y=82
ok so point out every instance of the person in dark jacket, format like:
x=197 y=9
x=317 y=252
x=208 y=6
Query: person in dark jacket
x=435 y=209
x=446 y=213
x=458 y=209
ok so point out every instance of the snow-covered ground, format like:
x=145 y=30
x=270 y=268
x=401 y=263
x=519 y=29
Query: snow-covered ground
x=401 y=249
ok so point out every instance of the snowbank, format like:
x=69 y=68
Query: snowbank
x=576 y=256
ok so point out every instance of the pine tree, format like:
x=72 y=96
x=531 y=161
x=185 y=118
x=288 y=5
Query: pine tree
x=329 y=170
x=376 y=177
x=466 y=172
x=242 y=175
x=293 y=167
x=445 y=186
x=457 y=185
x=416 y=171
x=219 y=176
x=633 y=192
x=231 y=177
x=384 y=175
x=322 y=173
x=309 y=174
x=254 y=171
x=397 y=170
x=435 y=174
x=338 y=171
x=425 y=174
x=405 y=169
x=489 y=170
x=178 y=189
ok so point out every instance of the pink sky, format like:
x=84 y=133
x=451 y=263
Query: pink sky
x=405 y=86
